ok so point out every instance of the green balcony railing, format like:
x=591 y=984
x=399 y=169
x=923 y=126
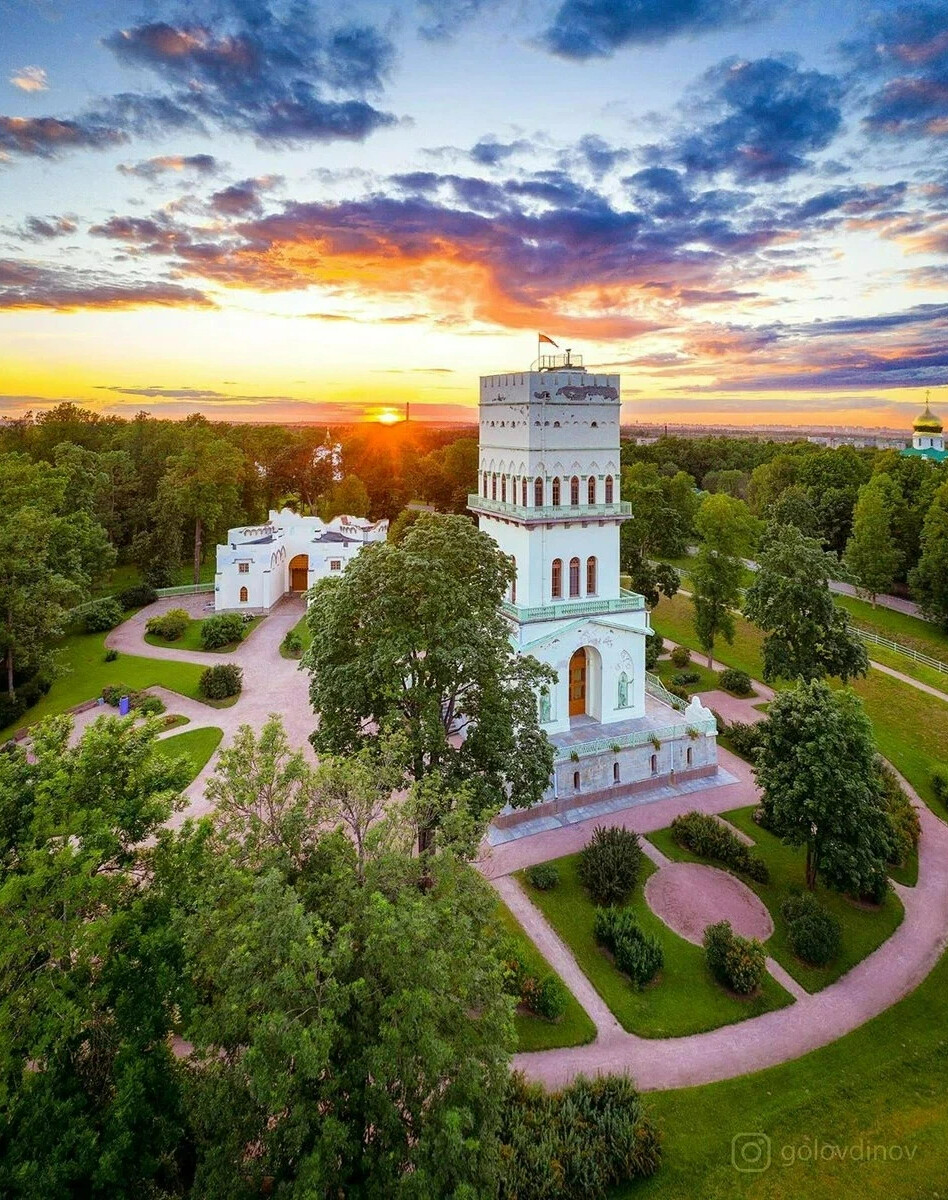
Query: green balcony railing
x=547 y=512
x=665 y=733
x=559 y=610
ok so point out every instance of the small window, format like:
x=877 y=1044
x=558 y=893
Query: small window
x=484 y=491
x=608 y=489
x=556 y=492
x=503 y=488
x=523 y=492
x=574 y=576
x=615 y=772
x=243 y=595
x=243 y=568
x=493 y=486
x=574 y=491
x=335 y=564
x=590 y=577
x=591 y=490
x=538 y=492
x=575 y=781
x=556 y=580
x=654 y=764
x=688 y=756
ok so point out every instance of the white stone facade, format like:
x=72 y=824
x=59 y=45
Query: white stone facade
x=260 y=564
x=548 y=493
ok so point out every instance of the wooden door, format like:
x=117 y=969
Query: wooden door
x=299 y=581
x=577 y=684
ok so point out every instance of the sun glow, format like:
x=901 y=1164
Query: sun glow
x=388 y=417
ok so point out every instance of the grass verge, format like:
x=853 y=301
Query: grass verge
x=191 y=638
x=685 y=998
x=197 y=745
x=301 y=629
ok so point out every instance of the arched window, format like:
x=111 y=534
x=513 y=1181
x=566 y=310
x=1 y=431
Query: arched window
x=523 y=491
x=608 y=489
x=688 y=756
x=591 y=490
x=503 y=488
x=243 y=595
x=590 y=577
x=574 y=576
x=556 y=491
x=556 y=579
x=484 y=492
x=574 y=491
x=493 y=486
x=615 y=772
x=575 y=781
x=538 y=492
x=654 y=764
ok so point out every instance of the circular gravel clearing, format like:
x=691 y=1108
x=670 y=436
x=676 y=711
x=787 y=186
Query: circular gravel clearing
x=690 y=896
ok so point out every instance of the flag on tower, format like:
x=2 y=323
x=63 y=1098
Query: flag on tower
x=541 y=337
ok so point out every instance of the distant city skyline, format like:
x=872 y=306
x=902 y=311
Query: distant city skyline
x=266 y=210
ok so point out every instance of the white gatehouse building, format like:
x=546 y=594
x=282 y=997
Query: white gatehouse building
x=548 y=494
x=260 y=564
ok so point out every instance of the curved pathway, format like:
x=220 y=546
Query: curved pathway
x=887 y=975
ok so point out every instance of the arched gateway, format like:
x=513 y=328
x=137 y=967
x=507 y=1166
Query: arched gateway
x=299 y=573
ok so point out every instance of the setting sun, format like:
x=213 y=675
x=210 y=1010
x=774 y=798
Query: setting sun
x=388 y=417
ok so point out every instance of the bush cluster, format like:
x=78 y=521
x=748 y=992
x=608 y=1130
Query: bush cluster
x=609 y=864
x=745 y=737
x=709 y=838
x=103 y=615
x=137 y=596
x=170 y=625
x=543 y=876
x=636 y=954
x=677 y=690
x=813 y=932
x=940 y=784
x=738 y=682
x=680 y=656
x=221 y=630
x=141 y=702
x=903 y=819
x=543 y=995
x=654 y=645
x=584 y=1141
x=683 y=678
x=737 y=963
x=220 y=682
x=292 y=644
x=28 y=693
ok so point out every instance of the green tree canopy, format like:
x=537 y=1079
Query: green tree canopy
x=727 y=530
x=872 y=553
x=411 y=640
x=201 y=483
x=807 y=635
x=929 y=580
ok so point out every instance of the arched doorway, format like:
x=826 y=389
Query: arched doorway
x=299 y=573
x=577 y=683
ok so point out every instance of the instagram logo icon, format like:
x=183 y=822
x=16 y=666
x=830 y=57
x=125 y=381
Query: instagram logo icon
x=750 y=1152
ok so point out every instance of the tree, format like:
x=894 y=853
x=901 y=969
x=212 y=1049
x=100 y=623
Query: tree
x=663 y=510
x=820 y=787
x=411 y=640
x=808 y=636
x=90 y=1102
x=871 y=552
x=727 y=529
x=348 y=498
x=201 y=482
x=929 y=580
x=652 y=580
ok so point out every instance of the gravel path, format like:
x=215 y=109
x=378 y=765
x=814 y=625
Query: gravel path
x=690 y=896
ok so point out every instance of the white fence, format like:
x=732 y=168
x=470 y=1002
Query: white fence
x=874 y=639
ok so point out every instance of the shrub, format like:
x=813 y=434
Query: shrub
x=11 y=709
x=636 y=954
x=292 y=644
x=609 y=864
x=543 y=876
x=902 y=817
x=170 y=625
x=549 y=998
x=112 y=693
x=583 y=1141
x=104 y=615
x=940 y=784
x=158 y=575
x=654 y=645
x=814 y=933
x=737 y=963
x=148 y=705
x=681 y=656
x=709 y=838
x=222 y=630
x=220 y=682
x=745 y=738
x=677 y=690
x=110 y=655
x=738 y=682
x=683 y=678
x=137 y=596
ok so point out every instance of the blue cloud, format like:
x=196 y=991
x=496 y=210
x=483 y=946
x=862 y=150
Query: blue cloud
x=442 y=19
x=773 y=115
x=490 y=152
x=596 y=28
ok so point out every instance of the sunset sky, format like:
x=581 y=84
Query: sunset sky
x=289 y=210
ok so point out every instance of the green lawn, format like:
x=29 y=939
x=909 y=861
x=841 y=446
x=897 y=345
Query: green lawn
x=910 y=631
x=883 y=1084
x=863 y=929
x=301 y=629
x=899 y=662
x=197 y=745
x=120 y=578
x=191 y=638
x=685 y=998
x=82 y=655
x=707 y=680
x=911 y=727
x=574 y=1028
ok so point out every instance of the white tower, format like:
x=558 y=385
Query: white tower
x=549 y=496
